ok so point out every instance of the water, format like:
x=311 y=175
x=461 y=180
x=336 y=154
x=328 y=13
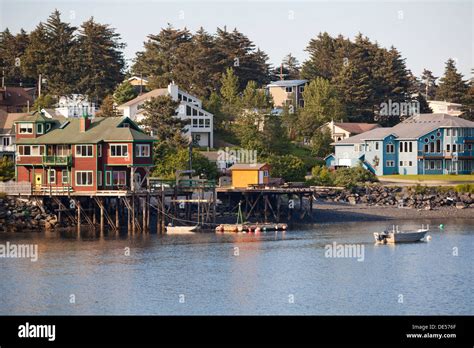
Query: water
x=274 y=273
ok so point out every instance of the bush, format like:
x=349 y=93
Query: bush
x=350 y=177
x=7 y=169
x=347 y=177
x=464 y=188
x=321 y=176
x=288 y=167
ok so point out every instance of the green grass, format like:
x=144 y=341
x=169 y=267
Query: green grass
x=443 y=177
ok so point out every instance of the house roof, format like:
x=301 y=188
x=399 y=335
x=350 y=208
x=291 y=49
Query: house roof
x=442 y=102
x=101 y=129
x=7 y=120
x=16 y=96
x=356 y=128
x=212 y=156
x=412 y=128
x=248 y=166
x=286 y=83
x=141 y=98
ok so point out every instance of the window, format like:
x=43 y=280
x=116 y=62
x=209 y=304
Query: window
x=376 y=145
x=108 y=178
x=207 y=122
x=301 y=89
x=426 y=148
x=390 y=163
x=401 y=163
x=201 y=123
x=469 y=147
x=448 y=132
x=448 y=148
x=39 y=128
x=31 y=150
x=6 y=141
x=432 y=147
x=432 y=164
x=411 y=146
x=63 y=150
x=48 y=126
x=438 y=145
x=401 y=147
x=119 y=178
x=410 y=163
x=390 y=148
x=51 y=176
x=438 y=134
x=65 y=177
x=119 y=150
x=84 y=178
x=289 y=89
x=406 y=146
x=454 y=132
x=99 y=150
x=142 y=150
x=265 y=173
x=83 y=150
x=99 y=178
x=26 y=128
x=454 y=147
x=432 y=136
x=195 y=122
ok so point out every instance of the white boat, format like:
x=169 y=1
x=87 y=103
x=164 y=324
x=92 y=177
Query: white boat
x=396 y=236
x=181 y=229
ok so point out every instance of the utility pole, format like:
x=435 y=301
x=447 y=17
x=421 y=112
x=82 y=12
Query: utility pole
x=3 y=77
x=39 y=85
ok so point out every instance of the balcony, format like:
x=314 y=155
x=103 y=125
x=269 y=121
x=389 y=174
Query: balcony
x=57 y=160
x=7 y=148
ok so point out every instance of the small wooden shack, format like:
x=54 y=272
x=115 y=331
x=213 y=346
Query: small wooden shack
x=244 y=175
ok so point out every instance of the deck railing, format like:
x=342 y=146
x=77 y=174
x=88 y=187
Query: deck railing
x=57 y=160
x=16 y=188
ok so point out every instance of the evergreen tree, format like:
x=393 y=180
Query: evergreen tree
x=321 y=105
x=100 y=58
x=423 y=104
x=12 y=50
x=124 y=92
x=35 y=57
x=428 y=85
x=107 y=108
x=45 y=101
x=160 y=118
x=452 y=87
x=230 y=88
x=321 y=143
x=254 y=98
x=60 y=62
x=161 y=55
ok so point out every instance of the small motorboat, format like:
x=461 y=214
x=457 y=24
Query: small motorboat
x=396 y=236
x=181 y=229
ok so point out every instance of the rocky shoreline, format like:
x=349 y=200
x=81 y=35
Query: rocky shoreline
x=420 y=197
x=23 y=214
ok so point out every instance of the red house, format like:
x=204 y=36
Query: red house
x=82 y=155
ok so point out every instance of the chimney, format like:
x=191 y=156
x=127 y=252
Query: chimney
x=85 y=123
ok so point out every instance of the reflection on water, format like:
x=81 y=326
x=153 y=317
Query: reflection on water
x=272 y=273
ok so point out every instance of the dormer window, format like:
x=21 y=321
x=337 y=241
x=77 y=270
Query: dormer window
x=39 y=128
x=289 y=89
x=26 y=128
x=48 y=126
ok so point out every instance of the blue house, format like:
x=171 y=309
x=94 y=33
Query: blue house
x=422 y=144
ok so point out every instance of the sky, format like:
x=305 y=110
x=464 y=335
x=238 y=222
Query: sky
x=427 y=33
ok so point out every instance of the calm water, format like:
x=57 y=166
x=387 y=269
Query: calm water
x=199 y=274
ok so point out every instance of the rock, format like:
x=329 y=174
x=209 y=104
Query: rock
x=460 y=205
x=352 y=200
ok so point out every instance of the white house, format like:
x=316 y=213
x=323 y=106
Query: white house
x=201 y=122
x=344 y=130
x=75 y=105
x=444 y=107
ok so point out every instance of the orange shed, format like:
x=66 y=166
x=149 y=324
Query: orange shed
x=244 y=175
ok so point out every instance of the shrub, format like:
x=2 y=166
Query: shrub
x=350 y=177
x=7 y=169
x=464 y=188
x=321 y=176
x=288 y=167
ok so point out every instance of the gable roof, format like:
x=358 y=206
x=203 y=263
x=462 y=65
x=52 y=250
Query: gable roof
x=356 y=128
x=248 y=166
x=142 y=98
x=412 y=128
x=100 y=129
x=7 y=120
x=286 y=83
x=16 y=96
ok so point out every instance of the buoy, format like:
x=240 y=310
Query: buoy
x=441 y=226
x=257 y=230
x=428 y=238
